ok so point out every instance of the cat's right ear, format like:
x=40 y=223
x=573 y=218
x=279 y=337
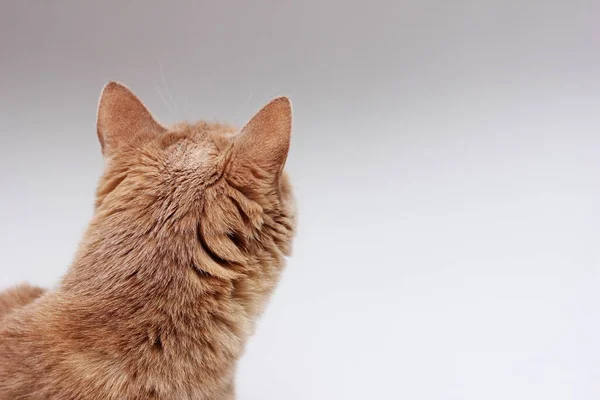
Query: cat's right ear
x=123 y=121
x=265 y=140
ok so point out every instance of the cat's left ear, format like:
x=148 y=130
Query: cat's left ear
x=123 y=121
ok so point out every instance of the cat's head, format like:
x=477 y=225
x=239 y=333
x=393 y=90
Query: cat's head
x=222 y=189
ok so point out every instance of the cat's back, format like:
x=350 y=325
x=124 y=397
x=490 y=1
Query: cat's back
x=45 y=353
x=17 y=297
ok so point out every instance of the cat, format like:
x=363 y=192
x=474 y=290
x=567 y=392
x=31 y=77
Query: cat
x=191 y=228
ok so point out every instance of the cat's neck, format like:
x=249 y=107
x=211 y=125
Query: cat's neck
x=126 y=277
x=147 y=302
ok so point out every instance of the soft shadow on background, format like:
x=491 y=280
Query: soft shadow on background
x=446 y=158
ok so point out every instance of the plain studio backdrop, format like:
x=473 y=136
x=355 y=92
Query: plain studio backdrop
x=446 y=159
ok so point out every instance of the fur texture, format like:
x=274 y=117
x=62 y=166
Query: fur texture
x=17 y=297
x=187 y=243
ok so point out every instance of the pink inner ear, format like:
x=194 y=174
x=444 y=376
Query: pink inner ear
x=265 y=140
x=123 y=120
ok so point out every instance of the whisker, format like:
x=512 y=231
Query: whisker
x=167 y=89
x=165 y=101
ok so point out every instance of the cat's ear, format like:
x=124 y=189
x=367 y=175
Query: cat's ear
x=265 y=140
x=123 y=120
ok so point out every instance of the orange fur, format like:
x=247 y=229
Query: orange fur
x=18 y=297
x=186 y=245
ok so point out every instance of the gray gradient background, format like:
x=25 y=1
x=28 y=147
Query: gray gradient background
x=445 y=157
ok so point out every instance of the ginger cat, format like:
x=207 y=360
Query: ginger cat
x=187 y=242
